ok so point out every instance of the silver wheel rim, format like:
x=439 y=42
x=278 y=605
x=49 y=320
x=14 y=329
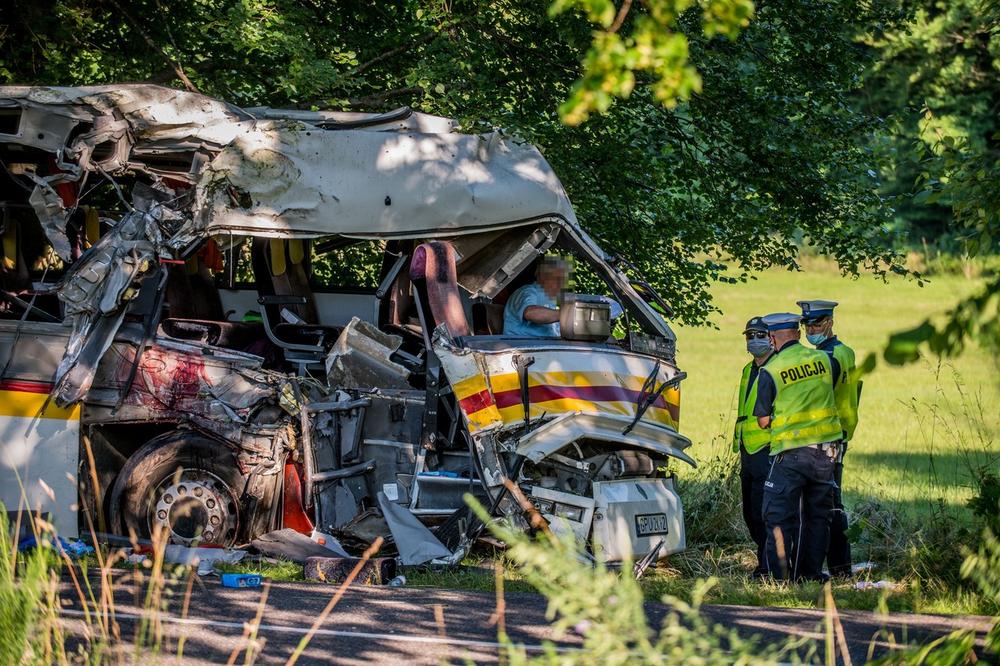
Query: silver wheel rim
x=194 y=507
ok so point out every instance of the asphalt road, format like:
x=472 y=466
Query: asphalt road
x=404 y=626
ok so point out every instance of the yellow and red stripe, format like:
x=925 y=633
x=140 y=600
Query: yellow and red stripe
x=25 y=398
x=476 y=401
x=552 y=393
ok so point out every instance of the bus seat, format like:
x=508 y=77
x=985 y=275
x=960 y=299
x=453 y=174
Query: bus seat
x=433 y=266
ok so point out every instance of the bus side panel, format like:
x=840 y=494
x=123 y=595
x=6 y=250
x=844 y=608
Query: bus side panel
x=39 y=448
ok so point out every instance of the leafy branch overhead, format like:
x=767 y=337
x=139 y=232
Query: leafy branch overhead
x=654 y=46
x=770 y=155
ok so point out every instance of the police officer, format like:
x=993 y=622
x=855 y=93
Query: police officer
x=751 y=440
x=795 y=400
x=817 y=317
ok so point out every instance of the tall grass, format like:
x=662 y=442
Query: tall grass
x=605 y=607
x=30 y=632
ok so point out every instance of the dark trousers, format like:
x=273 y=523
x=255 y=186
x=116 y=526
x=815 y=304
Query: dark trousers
x=838 y=554
x=754 y=468
x=798 y=504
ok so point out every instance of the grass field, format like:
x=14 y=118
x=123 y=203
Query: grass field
x=922 y=426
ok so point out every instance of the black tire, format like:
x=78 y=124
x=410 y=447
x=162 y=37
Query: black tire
x=162 y=460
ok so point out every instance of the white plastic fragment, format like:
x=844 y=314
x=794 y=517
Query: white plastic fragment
x=876 y=585
x=862 y=567
x=203 y=558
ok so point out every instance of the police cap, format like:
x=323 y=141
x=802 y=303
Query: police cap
x=755 y=324
x=781 y=320
x=815 y=310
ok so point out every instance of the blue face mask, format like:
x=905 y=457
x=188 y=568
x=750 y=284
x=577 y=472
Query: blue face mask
x=815 y=338
x=759 y=347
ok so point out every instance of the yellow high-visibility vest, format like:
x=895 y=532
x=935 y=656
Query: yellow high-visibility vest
x=845 y=393
x=747 y=432
x=805 y=411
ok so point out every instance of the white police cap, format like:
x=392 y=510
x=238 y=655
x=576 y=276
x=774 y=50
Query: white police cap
x=813 y=310
x=781 y=320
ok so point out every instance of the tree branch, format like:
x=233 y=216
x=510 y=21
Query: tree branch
x=169 y=74
x=174 y=65
x=620 y=18
x=391 y=53
x=378 y=98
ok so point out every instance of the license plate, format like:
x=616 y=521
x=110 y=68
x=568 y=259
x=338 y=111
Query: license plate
x=651 y=523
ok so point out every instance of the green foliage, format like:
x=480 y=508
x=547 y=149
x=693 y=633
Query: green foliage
x=654 y=46
x=983 y=569
x=976 y=317
x=986 y=503
x=768 y=152
x=938 y=78
x=713 y=513
x=353 y=266
x=29 y=628
x=940 y=75
x=606 y=607
x=276 y=570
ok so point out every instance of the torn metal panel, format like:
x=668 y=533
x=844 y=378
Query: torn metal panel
x=568 y=428
x=299 y=178
x=152 y=112
x=94 y=291
x=401 y=119
x=290 y=545
x=295 y=180
x=360 y=359
x=485 y=269
x=582 y=378
x=177 y=380
x=53 y=215
x=416 y=544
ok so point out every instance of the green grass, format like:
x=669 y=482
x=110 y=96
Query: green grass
x=274 y=569
x=922 y=426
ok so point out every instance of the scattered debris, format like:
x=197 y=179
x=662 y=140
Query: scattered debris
x=241 y=580
x=863 y=567
x=203 y=558
x=329 y=542
x=72 y=548
x=291 y=545
x=376 y=571
x=416 y=543
x=136 y=558
x=649 y=558
x=876 y=585
x=360 y=359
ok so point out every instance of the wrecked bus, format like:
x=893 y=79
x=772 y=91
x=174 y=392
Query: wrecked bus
x=170 y=356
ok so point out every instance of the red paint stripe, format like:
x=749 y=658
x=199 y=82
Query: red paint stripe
x=544 y=393
x=477 y=401
x=26 y=386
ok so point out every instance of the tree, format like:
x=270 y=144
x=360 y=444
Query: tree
x=724 y=183
x=937 y=76
x=941 y=70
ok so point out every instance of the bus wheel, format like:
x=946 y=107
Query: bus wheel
x=184 y=484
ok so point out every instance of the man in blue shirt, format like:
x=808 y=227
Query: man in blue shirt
x=531 y=311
